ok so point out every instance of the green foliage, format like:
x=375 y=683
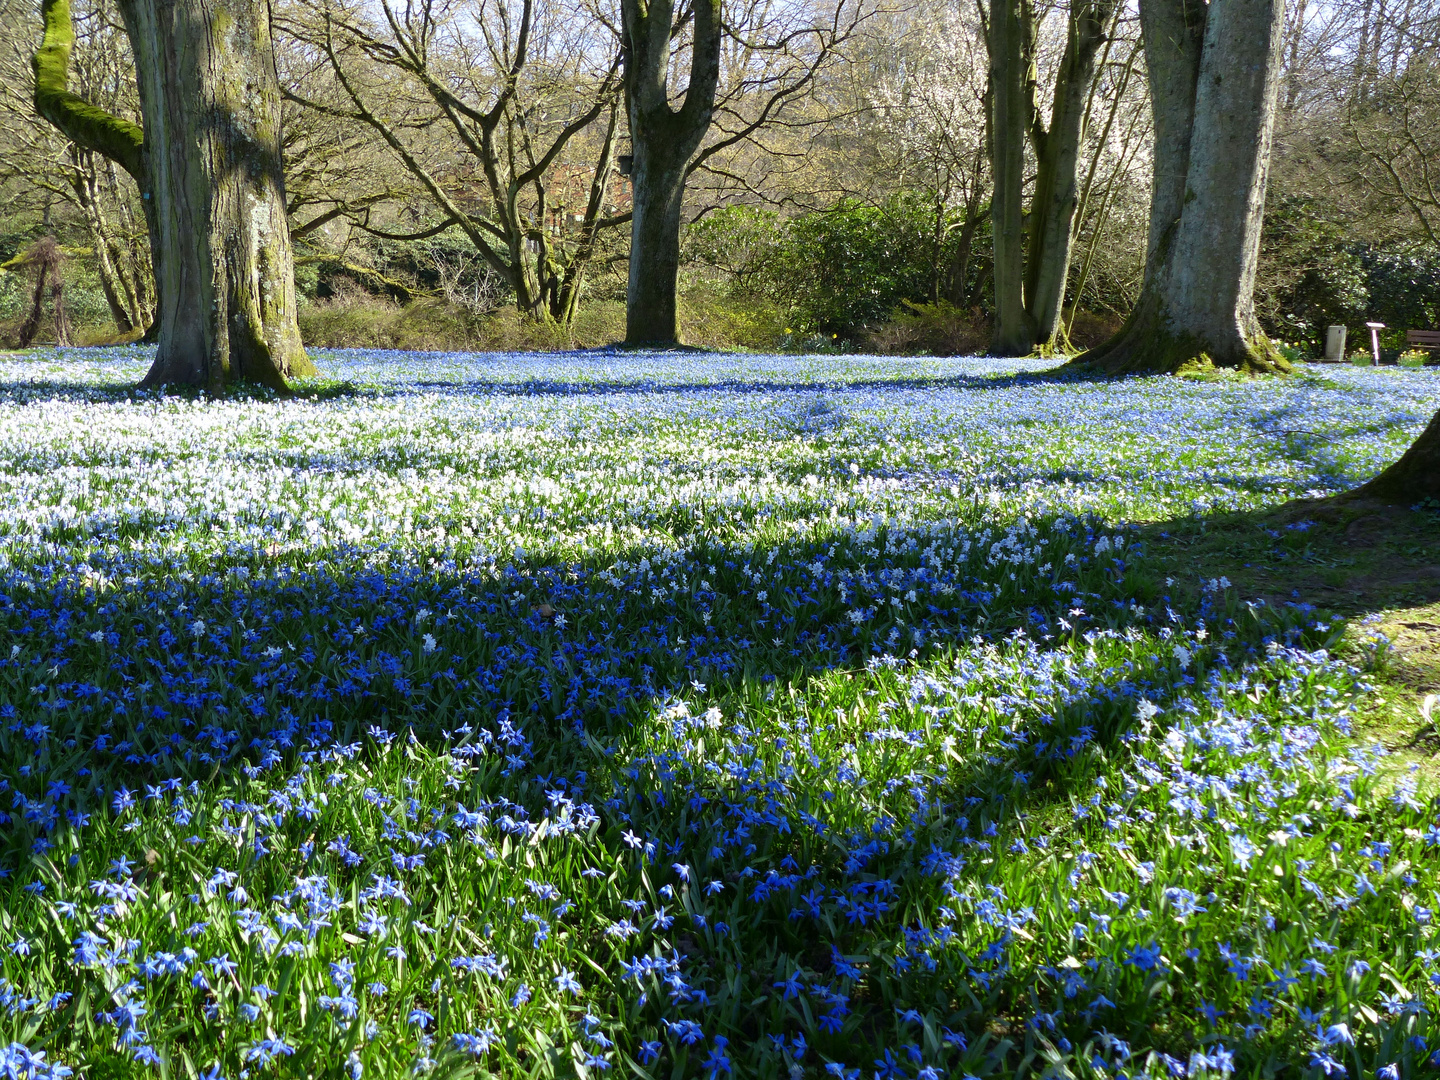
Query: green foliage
x=836 y=271
x=938 y=329
x=1404 y=288
x=352 y=318
x=1314 y=274
x=855 y=264
x=742 y=243
x=1310 y=276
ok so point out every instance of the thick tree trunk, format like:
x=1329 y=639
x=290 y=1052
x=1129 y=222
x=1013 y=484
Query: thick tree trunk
x=664 y=140
x=1217 y=245
x=1214 y=74
x=1052 y=213
x=1414 y=477
x=651 y=317
x=1011 y=107
x=224 y=273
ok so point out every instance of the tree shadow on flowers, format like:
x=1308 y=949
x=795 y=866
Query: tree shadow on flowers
x=161 y=670
x=814 y=795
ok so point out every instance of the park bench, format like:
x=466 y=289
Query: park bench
x=1425 y=339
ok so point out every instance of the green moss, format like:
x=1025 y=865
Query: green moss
x=78 y=120
x=1146 y=347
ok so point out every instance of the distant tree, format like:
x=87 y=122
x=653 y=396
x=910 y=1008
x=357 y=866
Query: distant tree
x=664 y=139
x=50 y=175
x=46 y=259
x=504 y=118
x=1032 y=261
x=750 y=63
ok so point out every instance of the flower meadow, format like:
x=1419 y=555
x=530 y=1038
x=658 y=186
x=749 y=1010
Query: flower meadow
x=689 y=716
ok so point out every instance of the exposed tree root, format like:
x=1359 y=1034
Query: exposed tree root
x=1144 y=346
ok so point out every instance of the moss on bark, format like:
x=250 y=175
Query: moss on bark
x=209 y=91
x=79 y=121
x=1146 y=344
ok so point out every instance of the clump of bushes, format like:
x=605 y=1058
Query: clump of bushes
x=936 y=329
x=351 y=317
x=845 y=272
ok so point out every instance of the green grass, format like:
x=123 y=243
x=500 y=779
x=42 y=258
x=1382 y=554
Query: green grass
x=617 y=717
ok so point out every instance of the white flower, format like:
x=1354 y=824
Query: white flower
x=429 y=643
x=97 y=637
x=197 y=627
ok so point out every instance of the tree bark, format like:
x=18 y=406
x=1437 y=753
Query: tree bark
x=958 y=273
x=664 y=140
x=118 y=297
x=1052 y=212
x=651 y=316
x=1217 y=245
x=1011 y=25
x=1032 y=262
x=208 y=167
x=1414 y=477
x=225 y=278
x=1214 y=75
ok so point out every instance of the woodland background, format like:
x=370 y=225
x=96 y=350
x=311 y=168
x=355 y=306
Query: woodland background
x=841 y=202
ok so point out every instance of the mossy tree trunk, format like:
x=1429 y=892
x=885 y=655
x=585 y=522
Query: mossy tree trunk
x=1032 y=261
x=665 y=140
x=1214 y=76
x=1011 y=45
x=207 y=163
x=225 y=280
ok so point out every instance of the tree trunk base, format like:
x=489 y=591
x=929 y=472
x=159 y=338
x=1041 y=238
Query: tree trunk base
x=1144 y=347
x=660 y=346
x=1411 y=480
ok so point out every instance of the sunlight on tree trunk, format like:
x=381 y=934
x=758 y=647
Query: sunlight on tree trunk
x=1032 y=258
x=1011 y=27
x=1214 y=76
x=211 y=101
x=1052 y=213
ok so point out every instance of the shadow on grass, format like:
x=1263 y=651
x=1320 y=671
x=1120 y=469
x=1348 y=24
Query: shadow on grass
x=319 y=655
x=39 y=391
